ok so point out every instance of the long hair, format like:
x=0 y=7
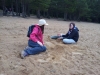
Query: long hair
x=42 y=28
x=72 y=24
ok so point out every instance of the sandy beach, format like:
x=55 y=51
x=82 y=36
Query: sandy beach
x=82 y=58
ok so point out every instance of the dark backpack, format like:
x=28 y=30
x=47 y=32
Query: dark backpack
x=30 y=29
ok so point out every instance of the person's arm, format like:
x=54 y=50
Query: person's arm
x=34 y=36
x=39 y=43
x=72 y=34
x=65 y=35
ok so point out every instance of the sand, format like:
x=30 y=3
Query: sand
x=82 y=58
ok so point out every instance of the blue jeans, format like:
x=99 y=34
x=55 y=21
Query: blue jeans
x=68 y=41
x=65 y=40
x=34 y=48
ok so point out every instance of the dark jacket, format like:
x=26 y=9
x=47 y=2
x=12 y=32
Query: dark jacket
x=74 y=34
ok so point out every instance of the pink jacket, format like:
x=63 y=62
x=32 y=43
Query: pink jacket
x=36 y=35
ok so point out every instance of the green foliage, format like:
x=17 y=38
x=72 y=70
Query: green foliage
x=85 y=10
x=40 y=4
x=70 y=5
x=81 y=8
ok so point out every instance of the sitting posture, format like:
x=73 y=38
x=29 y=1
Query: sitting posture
x=35 y=42
x=71 y=37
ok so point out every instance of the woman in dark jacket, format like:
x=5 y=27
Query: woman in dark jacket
x=72 y=35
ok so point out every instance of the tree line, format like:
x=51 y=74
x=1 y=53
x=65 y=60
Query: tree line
x=79 y=10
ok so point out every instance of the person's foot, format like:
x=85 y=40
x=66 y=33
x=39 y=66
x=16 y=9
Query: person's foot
x=23 y=54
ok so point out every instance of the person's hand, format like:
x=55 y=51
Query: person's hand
x=60 y=38
x=39 y=43
x=58 y=34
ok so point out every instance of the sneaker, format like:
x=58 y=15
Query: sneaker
x=23 y=54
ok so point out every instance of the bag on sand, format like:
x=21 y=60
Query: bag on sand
x=30 y=29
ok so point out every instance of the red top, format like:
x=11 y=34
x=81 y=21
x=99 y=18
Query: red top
x=36 y=34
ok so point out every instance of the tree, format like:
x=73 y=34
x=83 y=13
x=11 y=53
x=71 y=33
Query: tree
x=3 y=5
x=97 y=6
x=39 y=5
x=84 y=10
x=81 y=8
x=70 y=7
x=12 y=7
x=17 y=7
x=94 y=13
x=23 y=8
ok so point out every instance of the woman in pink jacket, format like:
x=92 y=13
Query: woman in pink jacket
x=35 y=42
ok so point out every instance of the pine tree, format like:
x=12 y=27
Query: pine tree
x=39 y=5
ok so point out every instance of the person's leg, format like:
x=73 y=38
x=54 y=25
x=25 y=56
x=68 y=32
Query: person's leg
x=23 y=54
x=32 y=44
x=68 y=41
x=35 y=50
x=32 y=51
x=32 y=48
x=55 y=37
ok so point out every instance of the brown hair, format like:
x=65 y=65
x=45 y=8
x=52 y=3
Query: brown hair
x=42 y=28
x=72 y=24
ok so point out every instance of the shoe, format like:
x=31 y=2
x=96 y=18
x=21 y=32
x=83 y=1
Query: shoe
x=23 y=54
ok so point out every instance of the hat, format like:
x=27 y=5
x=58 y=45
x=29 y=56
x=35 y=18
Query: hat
x=42 y=22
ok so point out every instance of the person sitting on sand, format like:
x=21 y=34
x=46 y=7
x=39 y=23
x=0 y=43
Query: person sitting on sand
x=71 y=37
x=35 y=42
